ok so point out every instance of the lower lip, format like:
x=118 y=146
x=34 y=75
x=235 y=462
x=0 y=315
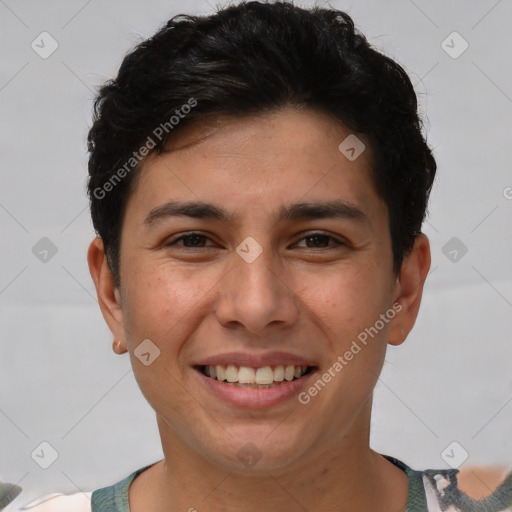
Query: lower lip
x=255 y=398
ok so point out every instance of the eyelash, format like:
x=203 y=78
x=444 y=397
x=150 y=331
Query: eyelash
x=338 y=243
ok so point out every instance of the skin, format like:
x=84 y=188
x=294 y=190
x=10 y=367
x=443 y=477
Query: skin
x=479 y=482
x=310 y=300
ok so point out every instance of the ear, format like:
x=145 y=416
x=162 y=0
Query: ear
x=409 y=289
x=109 y=297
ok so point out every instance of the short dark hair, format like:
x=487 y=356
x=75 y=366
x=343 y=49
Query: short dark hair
x=247 y=59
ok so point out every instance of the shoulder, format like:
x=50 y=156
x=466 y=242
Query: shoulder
x=486 y=488
x=112 y=499
x=79 y=502
x=480 y=481
x=471 y=489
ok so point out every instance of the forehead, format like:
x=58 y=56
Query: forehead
x=254 y=163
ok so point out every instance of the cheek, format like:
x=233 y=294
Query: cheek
x=160 y=302
x=349 y=306
x=346 y=301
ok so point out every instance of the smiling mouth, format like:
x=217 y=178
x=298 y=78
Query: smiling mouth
x=256 y=378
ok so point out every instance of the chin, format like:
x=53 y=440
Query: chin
x=263 y=449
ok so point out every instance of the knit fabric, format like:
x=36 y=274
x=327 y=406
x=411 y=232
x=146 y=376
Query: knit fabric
x=432 y=490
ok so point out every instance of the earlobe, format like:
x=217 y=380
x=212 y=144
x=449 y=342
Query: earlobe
x=119 y=347
x=409 y=289
x=109 y=297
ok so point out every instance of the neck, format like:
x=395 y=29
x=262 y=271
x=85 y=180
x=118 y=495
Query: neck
x=342 y=475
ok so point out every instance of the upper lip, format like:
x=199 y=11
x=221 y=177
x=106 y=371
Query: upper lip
x=256 y=360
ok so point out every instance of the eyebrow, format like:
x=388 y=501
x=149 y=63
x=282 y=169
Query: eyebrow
x=296 y=211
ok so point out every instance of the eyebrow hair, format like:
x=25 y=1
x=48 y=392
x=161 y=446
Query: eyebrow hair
x=195 y=209
x=322 y=210
x=295 y=211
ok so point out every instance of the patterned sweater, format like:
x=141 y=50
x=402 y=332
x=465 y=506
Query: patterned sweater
x=431 y=490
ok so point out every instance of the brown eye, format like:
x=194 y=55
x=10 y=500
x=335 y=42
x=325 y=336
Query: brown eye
x=321 y=241
x=318 y=240
x=190 y=240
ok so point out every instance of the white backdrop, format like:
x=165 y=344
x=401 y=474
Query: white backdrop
x=60 y=383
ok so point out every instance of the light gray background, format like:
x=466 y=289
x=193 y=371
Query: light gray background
x=60 y=381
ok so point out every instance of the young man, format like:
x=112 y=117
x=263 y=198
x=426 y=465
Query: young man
x=258 y=182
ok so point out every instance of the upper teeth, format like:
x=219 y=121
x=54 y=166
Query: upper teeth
x=248 y=375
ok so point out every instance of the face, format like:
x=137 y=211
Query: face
x=257 y=244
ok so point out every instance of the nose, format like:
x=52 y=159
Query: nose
x=257 y=296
